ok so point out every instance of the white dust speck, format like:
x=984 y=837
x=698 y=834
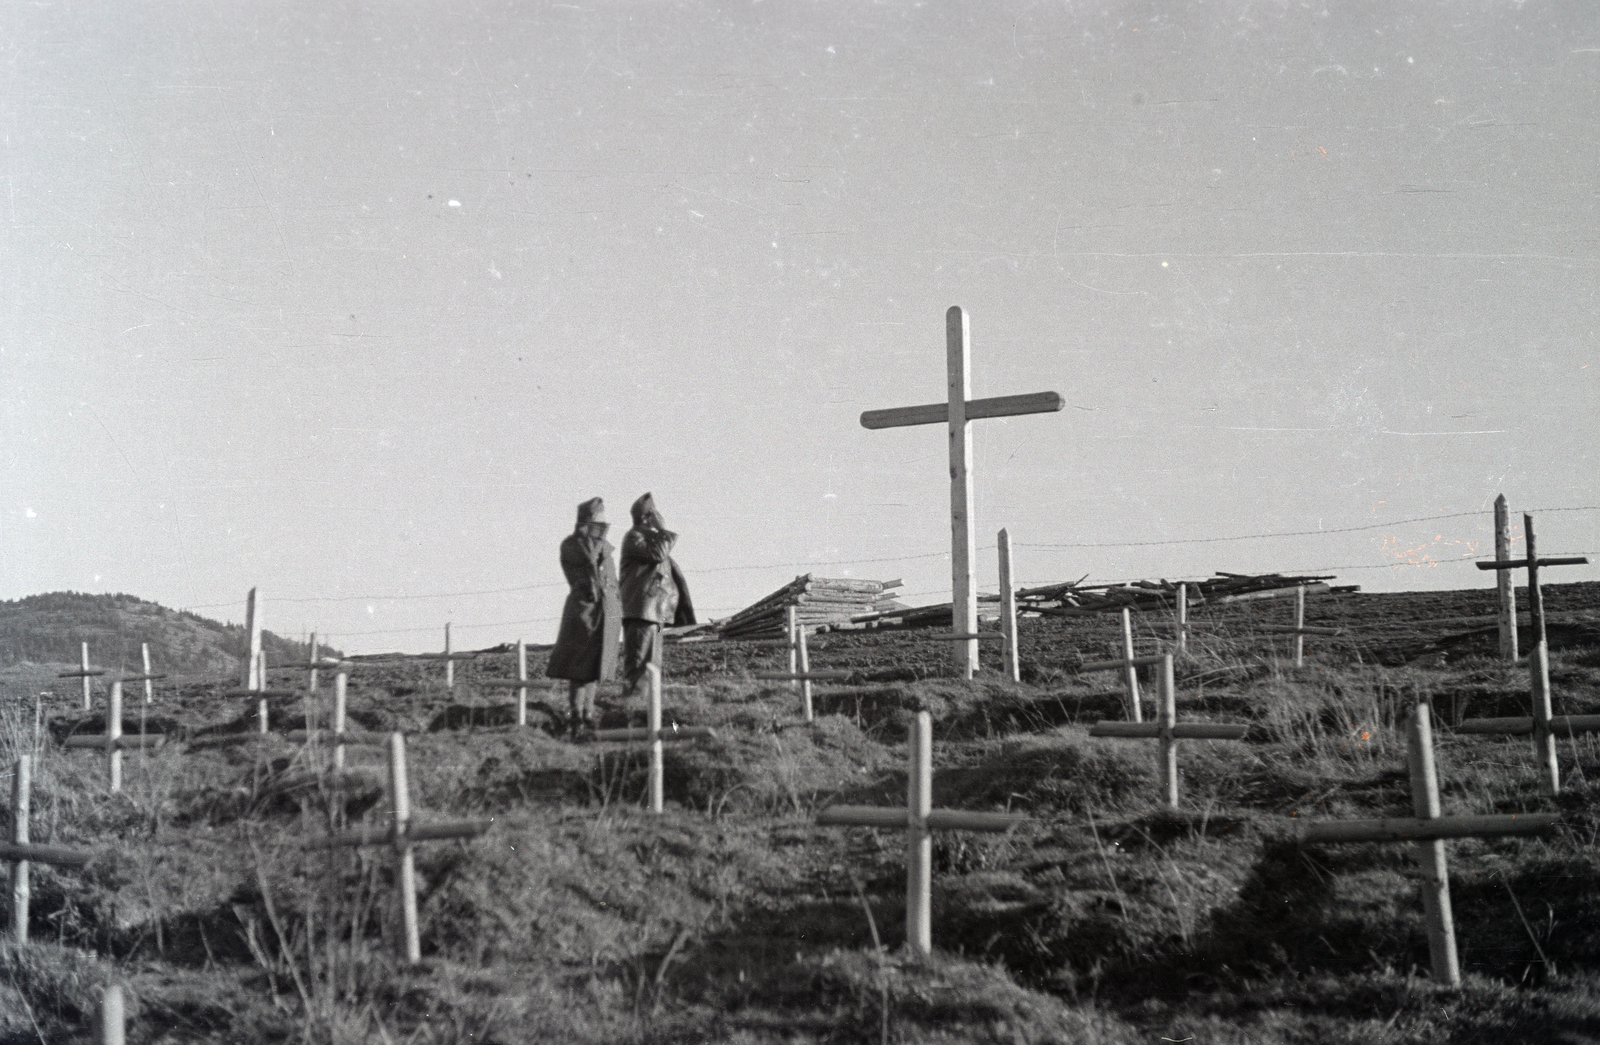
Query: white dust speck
x=30 y=513
x=495 y=272
x=455 y=203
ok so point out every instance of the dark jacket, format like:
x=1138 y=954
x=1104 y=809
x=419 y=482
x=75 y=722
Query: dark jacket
x=586 y=646
x=653 y=588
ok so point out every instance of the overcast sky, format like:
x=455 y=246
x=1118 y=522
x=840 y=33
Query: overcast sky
x=353 y=302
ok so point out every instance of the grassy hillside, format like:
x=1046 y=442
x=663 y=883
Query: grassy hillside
x=49 y=628
x=1103 y=920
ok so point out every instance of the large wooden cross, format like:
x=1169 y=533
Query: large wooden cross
x=20 y=852
x=956 y=412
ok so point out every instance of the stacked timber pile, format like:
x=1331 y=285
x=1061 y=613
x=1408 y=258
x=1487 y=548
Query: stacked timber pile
x=818 y=602
x=1075 y=599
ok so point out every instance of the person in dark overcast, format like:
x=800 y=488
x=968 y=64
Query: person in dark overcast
x=654 y=593
x=585 y=652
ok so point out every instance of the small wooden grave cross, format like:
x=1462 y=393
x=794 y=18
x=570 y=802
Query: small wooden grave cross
x=1299 y=629
x=1542 y=724
x=956 y=411
x=338 y=734
x=147 y=678
x=449 y=659
x=919 y=820
x=655 y=735
x=85 y=673
x=800 y=673
x=520 y=683
x=1129 y=664
x=19 y=852
x=1166 y=728
x=401 y=834
x=1428 y=829
x=113 y=741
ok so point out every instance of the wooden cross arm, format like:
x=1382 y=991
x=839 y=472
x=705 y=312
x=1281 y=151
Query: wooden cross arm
x=1522 y=564
x=939 y=413
x=898 y=816
x=1560 y=725
x=124 y=742
x=353 y=737
x=264 y=694
x=327 y=664
x=44 y=854
x=414 y=833
x=665 y=733
x=1116 y=665
x=1411 y=829
x=1290 y=629
x=1180 y=731
x=140 y=678
x=502 y=683
x=804 y=676
x=86 y=674
x=963 y=636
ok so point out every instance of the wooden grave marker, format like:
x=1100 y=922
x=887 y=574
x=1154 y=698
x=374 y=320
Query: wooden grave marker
x=20 y=852
x=800 y=673
x=402 y=834
x=1167 y=728
x=919 y=820
x=338 y=734
x=1008 y=610
x=85 y=672
x=655 y=736
x=1543 y=722
x=955 y=412
x=1429 y=830
x=520 y=683
x=1299 y=629
x=113 y=1018
x=1505 y=586
x=113 y=741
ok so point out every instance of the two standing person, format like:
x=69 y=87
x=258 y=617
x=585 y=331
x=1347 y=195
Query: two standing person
x=650 y=594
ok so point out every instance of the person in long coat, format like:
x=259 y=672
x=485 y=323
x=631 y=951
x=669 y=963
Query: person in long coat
x=654 y=593
x=585 y=652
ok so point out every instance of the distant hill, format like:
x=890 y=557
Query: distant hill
x=49 y=628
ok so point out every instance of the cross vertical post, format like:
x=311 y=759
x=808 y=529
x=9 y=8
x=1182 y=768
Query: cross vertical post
x=252 y=627
x=805 y=670
x=449 y=665
x=21 y=802
x=955 y=412
x=311 y=680
x=1166 y=718
x=1505 y=587
x=83 y=666
x=963 y=543
x=400 y=792
x=341 y=683
x=919 y=840
x=1131 y=674
x=657 y=755
x=113 y=1020
x=113 y=736
x=1008 y=611
x=1430 y=854
x=1183 y=617
x=1299 y=626
x=144 y=659
x=522 y=676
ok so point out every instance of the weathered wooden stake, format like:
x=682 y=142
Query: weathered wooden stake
x=1183 y=618
x=1008 y=611
x=955 y=412
x=1131 y=675
x=522 y=676
x=113 y=1021
x=805 y=671
x=149 y=683
x=918 y=819
x=1505 y=586
x=252 y=626
x=113 y=736
x=449 y=665
x=311 y=679
x=1299 y=626
x=85 y=672
x=341 y=685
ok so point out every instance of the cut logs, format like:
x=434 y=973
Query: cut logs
x=817 y=601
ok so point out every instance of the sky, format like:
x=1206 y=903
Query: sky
x=356 y=303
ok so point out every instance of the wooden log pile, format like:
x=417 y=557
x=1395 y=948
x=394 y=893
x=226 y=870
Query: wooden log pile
x=1076 y=599
x=818 y=602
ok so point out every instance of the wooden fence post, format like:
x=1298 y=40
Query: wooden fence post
x=113 y=1021
x=1131 y=674
x=1505 y=586
x=1008 y=611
